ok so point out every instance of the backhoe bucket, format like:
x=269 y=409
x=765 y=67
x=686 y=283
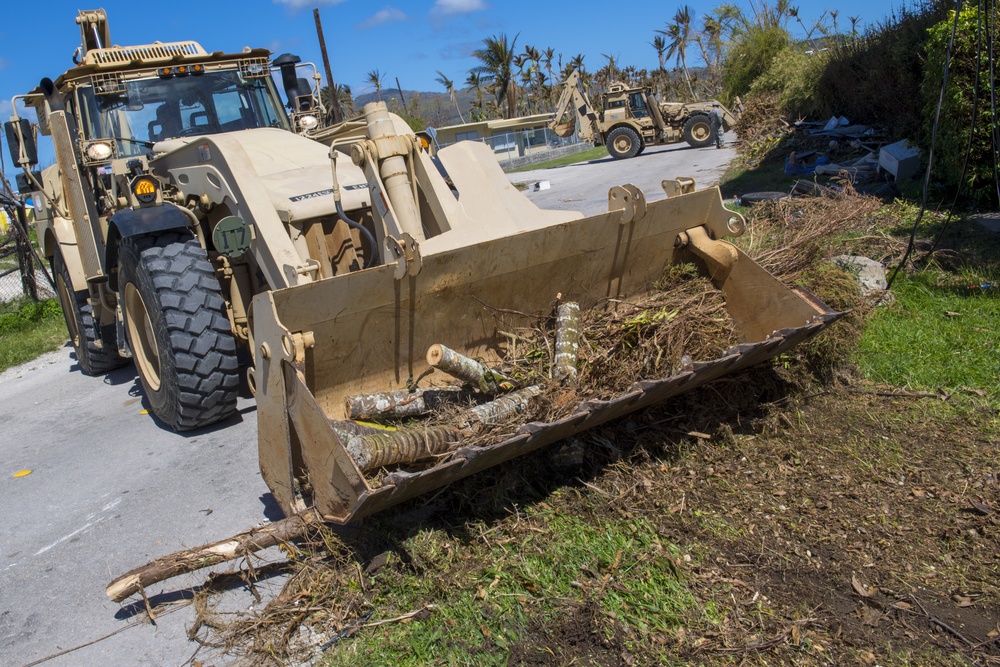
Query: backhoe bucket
x=564 y=129
x=369 y=331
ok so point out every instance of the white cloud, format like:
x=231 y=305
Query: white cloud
x=384 y=15
x=457 y=6
x=296 y=5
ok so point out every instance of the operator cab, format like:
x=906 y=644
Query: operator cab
x=164 y=104
x=637 y=102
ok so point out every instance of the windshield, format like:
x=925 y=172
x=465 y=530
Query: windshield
x=155 y=109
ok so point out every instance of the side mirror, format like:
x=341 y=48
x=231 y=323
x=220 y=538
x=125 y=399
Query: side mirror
x=21 y=141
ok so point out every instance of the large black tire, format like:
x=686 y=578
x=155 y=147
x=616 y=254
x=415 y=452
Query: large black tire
x=623 y=143
x=698 y=131
x=178 y=330
x=95 y=354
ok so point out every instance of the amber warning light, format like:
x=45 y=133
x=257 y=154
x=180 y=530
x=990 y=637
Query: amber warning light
x=145 y=190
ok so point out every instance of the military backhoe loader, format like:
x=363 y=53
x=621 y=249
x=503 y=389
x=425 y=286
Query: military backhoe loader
x=188 y=220
x=632 y=118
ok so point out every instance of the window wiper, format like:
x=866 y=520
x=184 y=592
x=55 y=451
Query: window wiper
x=147 y=144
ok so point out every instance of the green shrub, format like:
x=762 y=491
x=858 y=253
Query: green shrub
x=17 y=316
x=794 y=76
x=750 y=57
x=956 y=111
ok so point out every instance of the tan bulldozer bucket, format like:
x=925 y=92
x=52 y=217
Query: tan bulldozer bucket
x=369 y=331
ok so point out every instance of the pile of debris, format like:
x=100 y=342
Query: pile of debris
x=547 y=369
x=835 y=152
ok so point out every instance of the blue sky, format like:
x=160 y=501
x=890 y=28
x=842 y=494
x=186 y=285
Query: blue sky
x=405 y=39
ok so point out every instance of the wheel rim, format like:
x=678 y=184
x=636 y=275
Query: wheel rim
x=701 y=131
x=140 y=330
x=67 y=306
x=623 y=143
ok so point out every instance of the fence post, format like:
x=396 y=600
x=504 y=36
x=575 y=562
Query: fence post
x=25 y=255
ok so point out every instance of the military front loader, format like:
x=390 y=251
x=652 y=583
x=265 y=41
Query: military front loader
x=203 y=228
x=632 y=118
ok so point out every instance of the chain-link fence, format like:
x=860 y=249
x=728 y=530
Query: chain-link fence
x=22 y=275
x=523 y=147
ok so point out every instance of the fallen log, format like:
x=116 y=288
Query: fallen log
x=181 y=562
x=400 y=404
x=567 y=342
x=376 y=450
x=502 y=408
x=468 y=370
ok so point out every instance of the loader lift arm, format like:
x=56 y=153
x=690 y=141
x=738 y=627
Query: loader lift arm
x=574 y=104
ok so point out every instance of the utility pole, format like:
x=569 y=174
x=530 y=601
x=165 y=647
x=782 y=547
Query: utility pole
x=401 y=98
x=337 y=116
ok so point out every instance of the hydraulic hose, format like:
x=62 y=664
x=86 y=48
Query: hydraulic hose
x=370 y=261
x=361 y=228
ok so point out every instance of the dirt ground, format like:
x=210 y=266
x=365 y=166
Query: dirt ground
x=835 y=524
x=851 y=525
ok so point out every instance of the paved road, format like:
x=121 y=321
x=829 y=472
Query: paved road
x=584 y=186
x=111 y=489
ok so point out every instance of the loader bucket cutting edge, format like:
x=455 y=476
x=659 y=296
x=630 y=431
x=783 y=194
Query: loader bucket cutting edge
x=369 y=332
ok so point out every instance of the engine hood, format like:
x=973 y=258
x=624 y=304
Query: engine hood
x=294 y=171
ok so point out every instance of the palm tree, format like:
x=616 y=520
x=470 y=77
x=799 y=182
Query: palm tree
x=660 y=44
x=449 y=86
x=679 y=34
x=497 y=58
x=611 y=66
x=339 y=97
x=550 y=53
x=855 y=20
x=474 y=83
x=375 y=78
x=533 y=81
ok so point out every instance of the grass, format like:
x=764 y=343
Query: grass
x=29 y=329
x=940 y=333
x=616 y=574
x=595 y=153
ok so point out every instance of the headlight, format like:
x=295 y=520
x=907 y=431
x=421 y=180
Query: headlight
x=99 y=151
x=308 y=122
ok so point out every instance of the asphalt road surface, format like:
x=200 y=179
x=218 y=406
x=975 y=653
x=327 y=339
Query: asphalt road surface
x=584 y=186
x=109 y=488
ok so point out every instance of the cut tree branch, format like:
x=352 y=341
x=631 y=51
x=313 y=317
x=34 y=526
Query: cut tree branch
x=189 y=560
